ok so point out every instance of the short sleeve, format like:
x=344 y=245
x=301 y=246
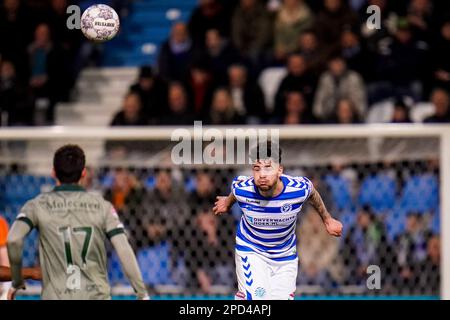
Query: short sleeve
x=236 y=182
x=28 y=215
x=309 y=186
x=3 y=232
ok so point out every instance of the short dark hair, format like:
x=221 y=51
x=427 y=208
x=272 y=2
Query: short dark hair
x=68 y=163
x=266 y=150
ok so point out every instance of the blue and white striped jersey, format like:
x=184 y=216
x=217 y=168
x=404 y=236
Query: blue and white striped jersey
x=267 y=225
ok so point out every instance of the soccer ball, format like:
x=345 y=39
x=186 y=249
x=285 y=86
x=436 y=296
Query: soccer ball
x=100 y=23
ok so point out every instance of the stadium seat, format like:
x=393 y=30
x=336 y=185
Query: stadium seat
x=379 y=192
x=420 y=194
x=340 y=190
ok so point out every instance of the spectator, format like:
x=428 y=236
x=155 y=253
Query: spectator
x=210 y=14
x=204 y=196
x=319 y=252
x=251 y=29
x=401 y=66
x=14 y=99
x=440 y=54
x=152 y=92
x=223 y=112
x=179 y=109
x=15 y=34
x=346 y=113
x=293 y=18
x=420 y=16
x=440 y=101
x=49 y=77
x=209 y=251
x=297 y=79
x=219 y=54
x=365 y=244
x=337 y=83
x=247 y=95
x=168 y=210
x=176 y=54
x=411 y=249
x=313 y=52
x=400 y=113
x=296 y=110
x=429 y=271
x=331 y=21
x=355 y=54
x=131 y=113
x=200 y=85
x=4 y=261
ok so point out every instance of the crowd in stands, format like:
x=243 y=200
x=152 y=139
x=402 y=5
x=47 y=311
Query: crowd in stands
x=338 y=68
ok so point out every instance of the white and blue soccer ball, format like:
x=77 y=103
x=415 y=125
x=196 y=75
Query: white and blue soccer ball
x=100 y=23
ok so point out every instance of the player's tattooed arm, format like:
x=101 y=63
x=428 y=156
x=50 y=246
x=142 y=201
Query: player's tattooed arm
x=223 y=204
x=333 y=226
x=316 y=201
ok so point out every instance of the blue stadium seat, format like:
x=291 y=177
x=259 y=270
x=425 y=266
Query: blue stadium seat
x=340 y=190
x=420 y=194
x=379 y=192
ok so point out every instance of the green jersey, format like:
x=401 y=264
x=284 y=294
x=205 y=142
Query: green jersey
x=73 y=226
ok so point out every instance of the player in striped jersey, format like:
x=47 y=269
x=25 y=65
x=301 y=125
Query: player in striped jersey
x=266 y=256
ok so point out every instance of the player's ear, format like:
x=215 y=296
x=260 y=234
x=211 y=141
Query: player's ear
x=280 y=169
x=83 y=173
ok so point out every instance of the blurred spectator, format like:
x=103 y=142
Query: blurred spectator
x=251 y=30
x=440 y=54
x=131 y=113
x=247 y=95
x=293 y=17
x=318 y=251
x=346 y=113
x=14 y=98
x=365 y=244
x=179 y=110
x=401 y=65
x=411 y=249
x=400 y=113
x=312 y=50
x=421 y=18
x=209 y=252
x=200 y=85
x=355 y=54
x=163 y=210
x=126 y=195
x=440 y=100
x=297 y=79
x=48 y=68
x=210 y=14
x=204 y=195
x=331 y=21
x=152 y=92
x=296 y=110
x=337 y=83
x=428 y=272
x=219 y=54
x=176 y=54
x=223 y=112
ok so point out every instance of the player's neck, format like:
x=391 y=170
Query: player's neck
x=274 y=192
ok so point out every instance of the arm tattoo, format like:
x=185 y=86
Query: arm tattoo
x=317 y=203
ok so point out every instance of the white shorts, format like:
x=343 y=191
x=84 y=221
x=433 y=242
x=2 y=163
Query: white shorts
x=260 y=278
